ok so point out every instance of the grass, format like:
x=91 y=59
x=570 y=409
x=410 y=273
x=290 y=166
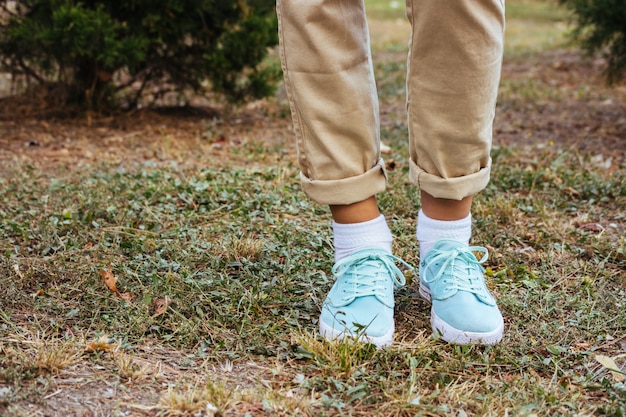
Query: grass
x=223 y=270
x=532 y=26
x=244 y=257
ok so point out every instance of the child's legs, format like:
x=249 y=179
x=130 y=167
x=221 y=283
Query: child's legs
x=454 y=69
x=329 y=77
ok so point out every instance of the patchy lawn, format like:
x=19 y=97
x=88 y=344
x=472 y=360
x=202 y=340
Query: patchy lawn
x=167 y=263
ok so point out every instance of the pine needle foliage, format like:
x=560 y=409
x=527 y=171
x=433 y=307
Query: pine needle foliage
x=105 y=49
x=600 y=26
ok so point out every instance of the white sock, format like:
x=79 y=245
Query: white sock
x=429 y=231
x=354 y=236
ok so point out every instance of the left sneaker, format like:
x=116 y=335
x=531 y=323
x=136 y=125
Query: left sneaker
x=463 y=311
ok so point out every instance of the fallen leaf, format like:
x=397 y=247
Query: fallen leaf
x=38 y=293
x=596 y=227
x=508 y=377
x=609 y=363
x=581 y=346
x=109 y=280
x=101 y=344
x=160 y=305
x=571 y=191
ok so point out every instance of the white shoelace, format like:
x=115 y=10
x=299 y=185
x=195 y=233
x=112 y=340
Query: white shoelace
x=358 y=280
x=449 y=260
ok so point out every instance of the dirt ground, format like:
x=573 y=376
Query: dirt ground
x=189 y=136
x=578 y=111
x=557 y=99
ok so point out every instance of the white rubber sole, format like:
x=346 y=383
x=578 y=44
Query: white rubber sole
x=330 y=333
x=460 y=337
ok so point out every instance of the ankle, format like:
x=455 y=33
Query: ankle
x=358 y=212
x=445 y=209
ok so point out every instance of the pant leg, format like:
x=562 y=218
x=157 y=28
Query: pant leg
x=327 y=67
x=455 y=59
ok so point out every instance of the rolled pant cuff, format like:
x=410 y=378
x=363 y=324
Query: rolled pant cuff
x=347 y=190
x=450 y=188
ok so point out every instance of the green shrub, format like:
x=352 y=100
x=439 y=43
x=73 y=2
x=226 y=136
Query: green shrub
x=600 y=26
x=104 y=49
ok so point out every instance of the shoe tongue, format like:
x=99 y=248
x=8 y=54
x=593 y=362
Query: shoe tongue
x=367 y=272
x=461 y=265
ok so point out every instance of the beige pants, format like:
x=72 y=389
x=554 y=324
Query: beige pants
x=455 y=57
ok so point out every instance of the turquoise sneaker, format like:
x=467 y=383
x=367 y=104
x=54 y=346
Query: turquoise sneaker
x=463 y=311
x=360 y=303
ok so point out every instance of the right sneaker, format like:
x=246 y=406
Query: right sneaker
x=360 y=304
x=463 y=311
